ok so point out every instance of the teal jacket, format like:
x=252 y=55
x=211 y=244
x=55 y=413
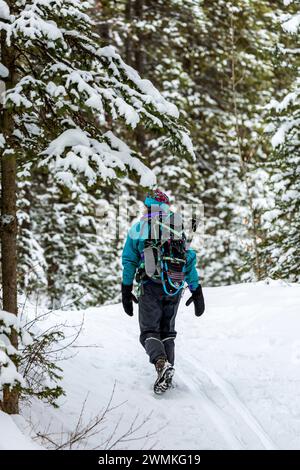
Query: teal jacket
x=133 y=249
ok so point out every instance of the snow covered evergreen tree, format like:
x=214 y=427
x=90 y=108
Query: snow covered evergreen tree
x=283 y=220
x=239 y=80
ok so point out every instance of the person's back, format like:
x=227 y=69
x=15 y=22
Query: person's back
x=157 y=254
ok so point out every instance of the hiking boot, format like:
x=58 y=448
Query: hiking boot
x=165 y=372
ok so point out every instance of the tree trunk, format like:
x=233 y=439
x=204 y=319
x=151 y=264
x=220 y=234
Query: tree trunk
x=128 y=42
x=257 y=266
x=139 y=49
x=139 y=65
x=8 y=219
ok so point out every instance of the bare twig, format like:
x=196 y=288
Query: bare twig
x=82 y=433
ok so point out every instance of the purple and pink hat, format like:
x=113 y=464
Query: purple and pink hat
x=156 y=197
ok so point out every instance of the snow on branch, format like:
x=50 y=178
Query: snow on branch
x=76 y=150
x=33 y=367
x=9 y=376
x=280 y=136
x=150 y=93
x=286 y=119
x=4 y=10
x=290 y=23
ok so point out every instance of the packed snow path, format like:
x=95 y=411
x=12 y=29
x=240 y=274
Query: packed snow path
x=236 y=383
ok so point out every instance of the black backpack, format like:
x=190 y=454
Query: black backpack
x=164 y=255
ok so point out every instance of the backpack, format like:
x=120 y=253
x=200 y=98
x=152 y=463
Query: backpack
x=164 y=255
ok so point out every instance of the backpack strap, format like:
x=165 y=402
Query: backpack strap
x=172 y=226
x=149 y=223
x=160 y=226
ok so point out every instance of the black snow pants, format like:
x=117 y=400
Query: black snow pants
x=157 y=313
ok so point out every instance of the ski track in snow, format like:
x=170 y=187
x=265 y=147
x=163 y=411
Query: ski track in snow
x=213 y=412
x=235 y=406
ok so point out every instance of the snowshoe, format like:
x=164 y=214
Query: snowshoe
x=165 y=372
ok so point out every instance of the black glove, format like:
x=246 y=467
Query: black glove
x=127 y=298
x=198 y=299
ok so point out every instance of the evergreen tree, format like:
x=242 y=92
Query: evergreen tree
x=239 y=80
x=283 y=220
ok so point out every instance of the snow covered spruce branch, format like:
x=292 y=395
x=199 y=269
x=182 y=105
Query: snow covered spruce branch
x=33 y=369
x=9 y=376
x=69 y=91
x=286 y=113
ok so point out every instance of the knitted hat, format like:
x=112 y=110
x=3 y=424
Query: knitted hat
x=156 y=197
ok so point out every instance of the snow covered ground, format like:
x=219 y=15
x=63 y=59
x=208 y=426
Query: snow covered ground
x=11 y=436
x=237 y=376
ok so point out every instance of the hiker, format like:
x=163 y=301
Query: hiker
x=156 y=253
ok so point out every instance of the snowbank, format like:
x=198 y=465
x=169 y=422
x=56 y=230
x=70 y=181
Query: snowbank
x=236 y=382
x=11 y=437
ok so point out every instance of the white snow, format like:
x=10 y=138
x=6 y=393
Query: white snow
x=280 y=135
x=131 y=116
x=236 y=382
x=32 y=26
x=289 y=99
x=291 y=23
x=2 y=141
x=151 y=93
x=11 y=437
x=8 y=372
x=106 y=155
x=4 y=10
x=69 y=138
x=4 y=72
x=8 y=319
x=187 y=142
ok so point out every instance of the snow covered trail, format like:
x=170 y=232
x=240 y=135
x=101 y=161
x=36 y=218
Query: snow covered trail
x=236 y=383
x=237 y=410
